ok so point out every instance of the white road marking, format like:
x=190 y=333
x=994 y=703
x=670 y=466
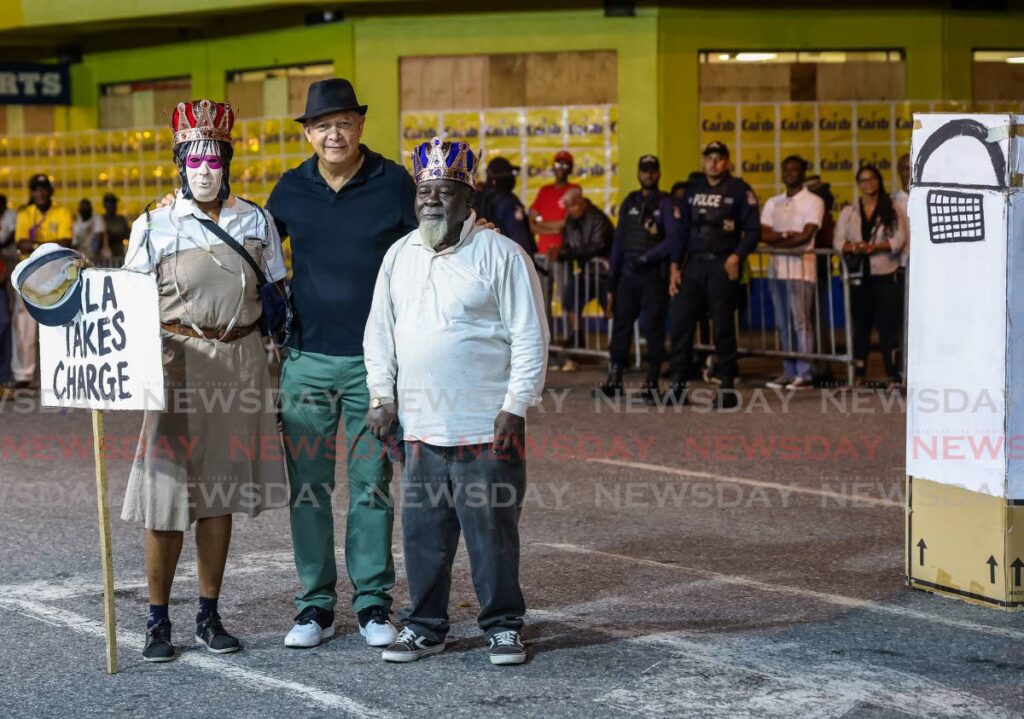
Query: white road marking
x=756 y=675
x=50 y=590
x=854 y=499
x=220 y=666
x=825 y=597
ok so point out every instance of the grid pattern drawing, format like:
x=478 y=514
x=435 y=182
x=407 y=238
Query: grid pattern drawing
x=955 y=216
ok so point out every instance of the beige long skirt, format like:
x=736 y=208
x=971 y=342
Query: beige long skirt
x=215 y=449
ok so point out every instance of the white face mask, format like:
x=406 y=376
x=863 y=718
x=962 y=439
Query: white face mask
x=204 y=181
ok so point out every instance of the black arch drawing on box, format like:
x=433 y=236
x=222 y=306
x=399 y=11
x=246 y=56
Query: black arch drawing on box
x=952 y=130
x=955 y=216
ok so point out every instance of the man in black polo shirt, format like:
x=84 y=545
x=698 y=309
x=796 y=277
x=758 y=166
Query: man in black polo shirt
x=342 y=209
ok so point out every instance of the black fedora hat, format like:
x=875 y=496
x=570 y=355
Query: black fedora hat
x=327 y=96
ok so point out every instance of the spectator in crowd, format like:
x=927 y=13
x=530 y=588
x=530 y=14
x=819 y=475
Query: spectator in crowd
x=8 y=258
x=117 y=229
x=901 y=198
x=547 y=213
x=500 y=205
x=587 y=234
x=871 y=235
x=821 y=369
x=470 y=326
x=8 y=222
x=640 y=251
x=903 y=169
x=40 y=221
x=87 y=230
x=718 y=229
x=790 y=221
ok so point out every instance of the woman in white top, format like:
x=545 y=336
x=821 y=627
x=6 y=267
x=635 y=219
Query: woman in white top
x=871 y=235
x=215 y=449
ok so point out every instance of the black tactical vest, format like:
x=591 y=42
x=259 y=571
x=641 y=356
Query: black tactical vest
x=636 y=238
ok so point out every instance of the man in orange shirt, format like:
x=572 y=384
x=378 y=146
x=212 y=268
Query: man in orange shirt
x=547 y=213
x=38 y=222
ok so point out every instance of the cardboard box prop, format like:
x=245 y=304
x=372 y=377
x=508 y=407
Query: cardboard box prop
x=965 y=440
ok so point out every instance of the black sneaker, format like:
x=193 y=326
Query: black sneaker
x=410 y=646
x=677 y=395
x=212 y=634
x=158 y=642
x=507 y=648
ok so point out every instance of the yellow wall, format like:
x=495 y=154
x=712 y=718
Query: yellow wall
x=657 y=51
x=207 y=62
x=683 y=33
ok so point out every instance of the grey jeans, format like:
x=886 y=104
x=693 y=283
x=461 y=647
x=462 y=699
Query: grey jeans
x=467 y=489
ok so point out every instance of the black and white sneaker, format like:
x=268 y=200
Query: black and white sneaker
x=312 y=626
x=212 y=634
x=158 y=642
x=410 y=646
x=507 y=648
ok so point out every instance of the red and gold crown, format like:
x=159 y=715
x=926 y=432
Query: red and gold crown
x=202 y=120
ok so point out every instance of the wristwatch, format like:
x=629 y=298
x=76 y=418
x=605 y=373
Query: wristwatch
x=378 y=402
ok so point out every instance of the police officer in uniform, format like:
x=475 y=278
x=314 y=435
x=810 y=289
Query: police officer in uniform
x=640 y=252
x=498 y=203
x=719 y=227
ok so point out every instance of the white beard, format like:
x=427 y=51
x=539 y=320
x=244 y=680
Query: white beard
x=433 y=232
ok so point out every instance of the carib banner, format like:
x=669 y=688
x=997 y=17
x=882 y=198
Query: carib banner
x=529 y=138
x=835 y=138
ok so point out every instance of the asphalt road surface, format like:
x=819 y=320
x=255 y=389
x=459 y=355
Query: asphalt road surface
x=676 y=564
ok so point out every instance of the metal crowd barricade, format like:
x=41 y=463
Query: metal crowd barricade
x=756 y=333
x=576 y=297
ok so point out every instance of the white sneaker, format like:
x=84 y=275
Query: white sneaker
x=378 y=629
x=313 y=626
x=780 y=382
x=570 y=366
x=800 y=383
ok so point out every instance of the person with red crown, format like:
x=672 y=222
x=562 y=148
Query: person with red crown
x=210 y=252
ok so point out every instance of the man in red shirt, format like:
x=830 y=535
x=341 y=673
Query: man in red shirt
x=547 y=213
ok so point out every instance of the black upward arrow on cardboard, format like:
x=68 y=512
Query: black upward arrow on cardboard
x=1017 y=564
x=922 y=546
x=992 y=564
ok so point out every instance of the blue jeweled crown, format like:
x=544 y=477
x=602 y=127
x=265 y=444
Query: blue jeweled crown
x=437 y=160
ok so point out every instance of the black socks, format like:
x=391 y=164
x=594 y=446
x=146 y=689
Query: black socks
x=156 y=613
x=207 y=609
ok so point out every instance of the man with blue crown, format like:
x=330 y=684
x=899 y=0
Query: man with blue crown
x=456 y=350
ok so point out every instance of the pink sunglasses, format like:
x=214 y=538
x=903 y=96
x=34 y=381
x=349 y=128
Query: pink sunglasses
x=196 y=161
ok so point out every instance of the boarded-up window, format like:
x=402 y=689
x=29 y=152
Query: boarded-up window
x=509 y=80
x=998 y=75
x=776 y=76
x=275 y=91
x=143 y=103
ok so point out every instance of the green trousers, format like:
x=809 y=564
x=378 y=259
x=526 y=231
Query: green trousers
x=316 y=392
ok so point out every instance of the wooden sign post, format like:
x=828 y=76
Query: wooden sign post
x=106 y=554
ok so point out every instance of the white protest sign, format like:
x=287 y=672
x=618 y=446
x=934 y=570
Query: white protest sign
x=109 y=357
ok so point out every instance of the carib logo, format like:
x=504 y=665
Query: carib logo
x=717 y=124
x=757 y=164
x=757 y=124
